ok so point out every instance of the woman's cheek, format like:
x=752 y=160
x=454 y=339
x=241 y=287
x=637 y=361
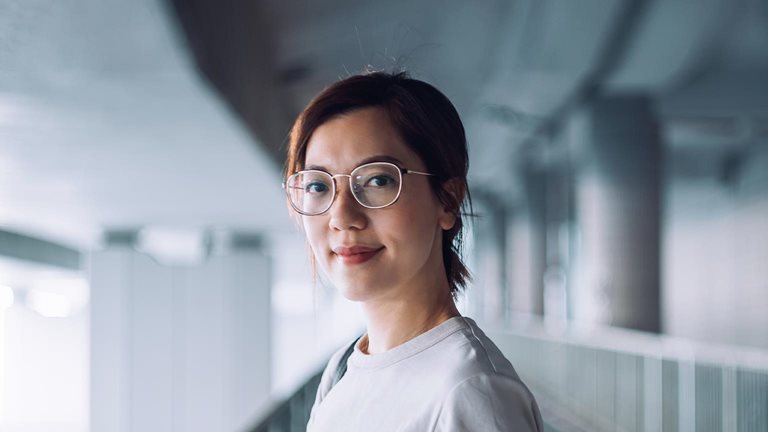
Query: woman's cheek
x=315 y=237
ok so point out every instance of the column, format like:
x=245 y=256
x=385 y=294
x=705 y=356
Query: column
x=179 y=348
x=618 y=205
x=536 y=198
x=492 y=297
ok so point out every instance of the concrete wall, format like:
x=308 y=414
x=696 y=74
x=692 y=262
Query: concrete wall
x=715 y=264
x=179 y=348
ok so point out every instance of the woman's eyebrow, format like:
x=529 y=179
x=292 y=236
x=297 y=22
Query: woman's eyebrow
x=381 y=158
x=316 y=168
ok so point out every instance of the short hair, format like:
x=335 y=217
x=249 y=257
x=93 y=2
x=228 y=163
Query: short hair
x=429 y=125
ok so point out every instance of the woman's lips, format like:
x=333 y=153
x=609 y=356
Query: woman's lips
x=355 y=254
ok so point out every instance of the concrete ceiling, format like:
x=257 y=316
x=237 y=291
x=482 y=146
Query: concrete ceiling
x=105 y=123
x=106 y=118
x=508 y=66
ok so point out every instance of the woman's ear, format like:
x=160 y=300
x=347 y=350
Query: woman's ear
x=455 y=188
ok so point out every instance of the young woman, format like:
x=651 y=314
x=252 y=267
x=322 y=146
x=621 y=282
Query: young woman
x=377 y=168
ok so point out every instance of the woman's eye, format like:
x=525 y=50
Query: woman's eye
x=380 y=181
x=315 y=188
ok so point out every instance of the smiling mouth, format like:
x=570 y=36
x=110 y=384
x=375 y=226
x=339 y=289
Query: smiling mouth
x=356 y=255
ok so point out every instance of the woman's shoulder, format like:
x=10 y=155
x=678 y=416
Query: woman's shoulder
x=483 y=384
x=464 y=358
x=482 y=401
x=471 y=353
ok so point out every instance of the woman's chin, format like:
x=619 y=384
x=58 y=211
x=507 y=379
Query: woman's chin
x=357 y=291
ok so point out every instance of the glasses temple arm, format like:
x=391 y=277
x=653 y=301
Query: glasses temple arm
x=407 y=171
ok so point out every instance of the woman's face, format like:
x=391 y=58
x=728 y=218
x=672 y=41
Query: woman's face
x=374 y=253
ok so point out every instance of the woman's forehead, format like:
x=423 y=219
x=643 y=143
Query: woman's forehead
x=370 y=159
x=362 y=136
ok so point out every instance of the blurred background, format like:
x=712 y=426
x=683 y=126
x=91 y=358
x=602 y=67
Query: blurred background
x=151 y=278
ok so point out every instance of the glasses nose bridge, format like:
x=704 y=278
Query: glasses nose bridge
x=349 y=176
x=337 y=189
x=341 y=175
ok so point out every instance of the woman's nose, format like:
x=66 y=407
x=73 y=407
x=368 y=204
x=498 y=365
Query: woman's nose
x=346 y=213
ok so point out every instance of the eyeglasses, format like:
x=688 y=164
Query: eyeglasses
x=374 y=185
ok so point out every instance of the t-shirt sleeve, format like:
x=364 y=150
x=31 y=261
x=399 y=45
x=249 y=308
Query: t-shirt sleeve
x=327 y=379
x=489 y=403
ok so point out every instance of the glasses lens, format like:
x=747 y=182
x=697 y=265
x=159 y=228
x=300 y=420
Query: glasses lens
x=376 y=184
x=310 y=192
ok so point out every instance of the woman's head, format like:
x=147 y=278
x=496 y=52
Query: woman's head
x=387 y=117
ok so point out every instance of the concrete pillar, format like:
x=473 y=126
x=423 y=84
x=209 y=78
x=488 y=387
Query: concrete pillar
x=179 y=348
x=519 y=264
x=558 y=217
x=535 y=191
x=618 y=205
x=541 y=243
x=492 y=297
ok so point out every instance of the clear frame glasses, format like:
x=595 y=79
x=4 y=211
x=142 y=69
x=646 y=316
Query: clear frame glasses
x=374 y=185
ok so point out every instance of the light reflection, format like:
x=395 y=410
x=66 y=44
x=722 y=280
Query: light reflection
x=49 y=305
x=6 y=297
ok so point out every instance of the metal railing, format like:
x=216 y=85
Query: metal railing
x=621 y=380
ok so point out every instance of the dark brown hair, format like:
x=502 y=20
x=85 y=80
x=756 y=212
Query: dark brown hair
x=429 y=125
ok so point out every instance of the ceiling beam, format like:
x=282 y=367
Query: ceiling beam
x=231 y=44
x=35 y=250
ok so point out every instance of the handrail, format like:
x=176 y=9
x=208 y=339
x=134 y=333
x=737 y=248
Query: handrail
x=636 y=342
x=614 y=379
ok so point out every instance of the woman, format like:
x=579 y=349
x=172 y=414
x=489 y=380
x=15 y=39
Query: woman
x=377 y=169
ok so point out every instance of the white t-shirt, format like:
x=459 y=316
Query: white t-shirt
x=450 y=378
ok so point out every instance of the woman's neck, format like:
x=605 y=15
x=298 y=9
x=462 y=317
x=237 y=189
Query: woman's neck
x=396 y=321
